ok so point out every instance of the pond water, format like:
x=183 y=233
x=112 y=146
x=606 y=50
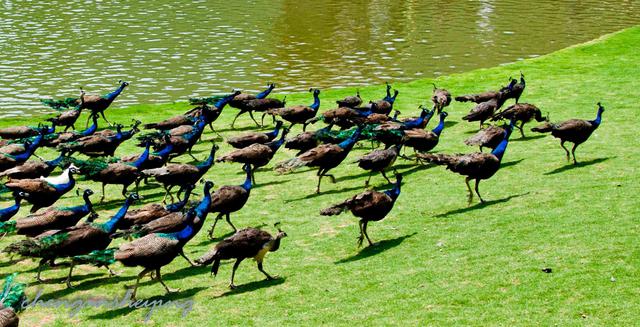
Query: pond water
x=171 y=51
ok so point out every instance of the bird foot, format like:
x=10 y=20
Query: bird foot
x=69 y=284
x=173 y=290
x=233 y=286
x=360 y=240
x=274 y=277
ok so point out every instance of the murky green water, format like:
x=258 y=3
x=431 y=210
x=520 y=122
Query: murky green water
x=170 y=51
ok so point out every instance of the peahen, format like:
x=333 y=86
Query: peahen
x=51 y=218
x=520 y=112
x=8 y=161
x=256 y=155
x=576 y=131
x=379 y=160
x=441 y=98
x=8 y=212
x=476 y=165
x=423 y=141
x=69 y=117
x=368 y=206
x=181 y=174
x=43 y=192
x=190 y=117
x=55 y=139
x=12 y=300
x=309 y=140
x=103 y=144
x=71 y=241
x=485 y=110
x=325 y=157
x=247 y=243
x=488 y=137
x=21 y=132
x=249 y=103
x=96 y=103
x=173 y=222
x=230 y=198
x=516 y=88
x=153 y=211
x=246 y=139
x=343 y=117
x=299 y=114
x=385 y=105
x=34 y=168
x=351 y=101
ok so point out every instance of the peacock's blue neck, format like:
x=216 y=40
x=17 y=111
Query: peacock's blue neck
x=348 y=143
x=64 y=187
x=316 y=102
x=177 y=206
x=184 y=234
x=440 y=126
x=223 y=102
x=275 y=132
x=394 y=192
x=113 y=95
x=203 y=206
x=7 y=213
x=266 y=92
x=166 y=151
x=110 y=225
x=247 y=182
x=209 y=162
x=598 y=119
x=87 y=203
x=92 y=129
x=143 y=157
x=502 y=147
x=56 y=161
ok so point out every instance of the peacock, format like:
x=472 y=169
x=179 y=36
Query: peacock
x=379 y=160
x=71 y=241
x=485 y=110
x=247 y=139
x=299 y=114
x=257 y=155
x=343 y=117
x=8 y=212
x=520 y=112
x=43 y=192
x=486 y=96
x=423 y=141
x=247 y=243
x=230 y=198
x=96 y=103
x=69 y=117
x=190 y=117
x=34 y=168
x=476 y=165
x=21 y=132
x=325 y=157
x=249 y=103
x=181 y=174
x=576 y=131
x=385 y=105
x=103 y=144
x=441 y=98
x=516 y=89
x=351 y=101
x=369 y=206
x=55 y=139
x=151 y=161
x=488 y=137
x=12 y=300
x=8 y=161
x=184 y=142
x=309 y=140
x=153 y=211
x=51 y=218
x=172 y=222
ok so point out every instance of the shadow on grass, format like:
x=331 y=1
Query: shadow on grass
x=580 y=164
x=527 y=138
x=252 y=286
x=87 y=284
x=111 y=314
x=511 y=163
x=315 y=195
x=450 y=123
x=245 y=128
x=376 y=248
x=276 y=182
x=480 y=205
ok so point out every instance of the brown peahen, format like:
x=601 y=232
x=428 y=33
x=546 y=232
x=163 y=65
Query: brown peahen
x=385 y=105
x=34 y=168
x=324 y=156
x=299 y=114
x=246 y=139
x=476 y=165
x=441 y=98
x=230 y=198
x=247 y=243
x=423 y=141
x=69 y=117
x=576 y=131
x=516 y=88
x=153 y=211
x=379 y=160
x=351 y=101
x=101 y=144
x=485 y=110
x=488 y=137
x=256 y=155
x=55 y=139
x=368 y=206
x=51 y=218
x=43 y=192
x=520 y=112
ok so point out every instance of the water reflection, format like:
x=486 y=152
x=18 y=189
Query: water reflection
x=170 y=51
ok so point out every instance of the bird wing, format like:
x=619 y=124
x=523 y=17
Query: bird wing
x=32 y=186
x=146 y=247
x=485 y=136
x=245 y=243
x=249 y=154
x=225 y=195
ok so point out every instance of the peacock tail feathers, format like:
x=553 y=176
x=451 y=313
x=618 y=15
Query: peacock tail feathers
x=55 y=239
x=210 y=100
x=97 y=258
x=8 y=227
x=4 y=189
x=60 y=104
x=89 y=167
x=12 y=293
x=289 y=165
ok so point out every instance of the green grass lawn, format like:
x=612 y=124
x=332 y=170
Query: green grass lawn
x=439 y=261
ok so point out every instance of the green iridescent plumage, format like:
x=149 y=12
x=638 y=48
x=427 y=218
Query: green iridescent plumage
x=12 y=293
x=89 y=167
x=60 y=104
x=7 y=227
x=210 y=100
x=97 y=258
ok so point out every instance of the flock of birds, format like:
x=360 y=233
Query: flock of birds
x=156 y=233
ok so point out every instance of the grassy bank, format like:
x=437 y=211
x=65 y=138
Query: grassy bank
x=439 y=261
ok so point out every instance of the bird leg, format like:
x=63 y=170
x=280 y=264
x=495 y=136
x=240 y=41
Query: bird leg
x=40 y=265
x=102 y=198
x=366 y=183
x=466 y=180
x=520 y=128
x=214 y=225
x=69 y=276
x=304 y=127
x=135 y=287
x=478 y=192
x=185 y=257
x=105 y=118
x=233 y=273
x=361 y=237
x=236 y=117
x=254 y=120
x=111 y=272
x=385 y=176
x=124 y=190
x=169 y=290
x=573 y=152
x=320 y=174
x=364 y=231
x=166 y=192
x=229 y=221
x=565 y=149
x=269 y=277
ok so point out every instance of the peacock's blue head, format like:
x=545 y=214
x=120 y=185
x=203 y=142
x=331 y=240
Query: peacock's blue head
x=133 y=197
x=247 y=168
x=123 y=84
x=600 y=108
x=87 y=193
x=208 y=185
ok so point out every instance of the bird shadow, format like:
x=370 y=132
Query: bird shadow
x=243 y=128
x=511 y=163
x=376 y=248
x=208 y=240
x=578 y=165
x=275 y=182
x=86 y=284
x=315 y=195
x=450 y=123
x=187 y=271
x=111 y=314
x=480 y=205
x=527 y=138
x=252 y=286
